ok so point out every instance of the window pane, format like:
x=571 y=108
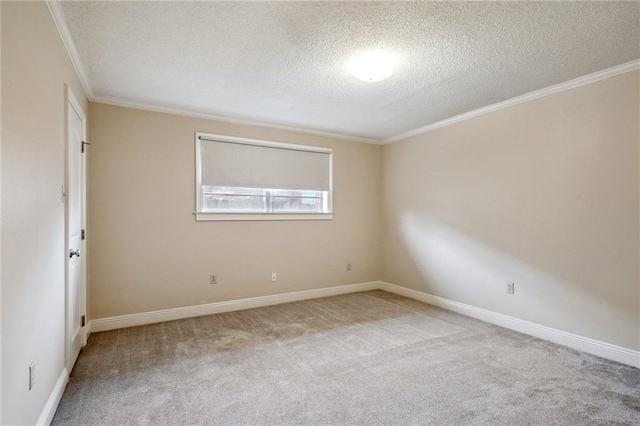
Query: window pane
x=296 y=201
x=261 y=200
x=295 y=193
x=235 y=176
x=229 y=199
x=296 y=204
x=237 y=203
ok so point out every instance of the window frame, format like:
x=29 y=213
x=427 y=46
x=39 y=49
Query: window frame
x=253 y=216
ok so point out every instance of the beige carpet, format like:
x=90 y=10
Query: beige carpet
x=364 y=358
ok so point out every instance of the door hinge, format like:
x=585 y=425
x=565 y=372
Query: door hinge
x=83 y=320
x=83 y=234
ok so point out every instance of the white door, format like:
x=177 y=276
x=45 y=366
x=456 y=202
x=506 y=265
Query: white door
x=75 y=220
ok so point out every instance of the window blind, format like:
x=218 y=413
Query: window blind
x=240 y=164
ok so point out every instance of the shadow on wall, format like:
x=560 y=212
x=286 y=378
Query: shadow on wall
x=456 y=266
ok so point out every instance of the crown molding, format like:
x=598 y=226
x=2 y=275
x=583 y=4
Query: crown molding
x=67 y=39
x=571 y=84
x=224 y=119
x=69 y=44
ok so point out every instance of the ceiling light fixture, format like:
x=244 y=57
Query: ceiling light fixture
x=372 y=65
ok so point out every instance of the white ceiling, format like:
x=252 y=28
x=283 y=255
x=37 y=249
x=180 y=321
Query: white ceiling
x=284 y=63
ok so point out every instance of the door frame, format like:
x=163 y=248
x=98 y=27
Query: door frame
x=71 y=102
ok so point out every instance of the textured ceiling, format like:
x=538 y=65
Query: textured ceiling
x=284 y=63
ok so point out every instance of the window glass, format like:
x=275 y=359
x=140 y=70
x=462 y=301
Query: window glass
x=245 y=176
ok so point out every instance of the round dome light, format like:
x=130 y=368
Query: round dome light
x=372 y=66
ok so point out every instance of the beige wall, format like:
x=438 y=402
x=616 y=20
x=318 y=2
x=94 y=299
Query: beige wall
x=147 y=252
x=0 y=217
x=35 y=68
x=543 y=194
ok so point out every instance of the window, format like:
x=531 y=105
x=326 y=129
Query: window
x=246 y=179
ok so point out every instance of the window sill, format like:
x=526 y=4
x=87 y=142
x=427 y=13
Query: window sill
x=204 y=217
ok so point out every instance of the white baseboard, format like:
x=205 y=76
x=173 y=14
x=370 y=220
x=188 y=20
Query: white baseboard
x=595 y=347
x=585 y=344
x=54 y=399
x=123 y=321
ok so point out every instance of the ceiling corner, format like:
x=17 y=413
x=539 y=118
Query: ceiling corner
x=225 y=119
x=67 y=40
x=551 y=90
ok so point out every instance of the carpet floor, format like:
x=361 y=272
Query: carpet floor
x=362 y=358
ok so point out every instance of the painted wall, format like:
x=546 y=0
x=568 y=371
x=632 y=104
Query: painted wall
x=35 y=68
x=543 y=194
x=147 y=252
x=0 y=219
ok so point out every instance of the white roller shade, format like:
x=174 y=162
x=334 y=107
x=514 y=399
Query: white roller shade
x=225 y=163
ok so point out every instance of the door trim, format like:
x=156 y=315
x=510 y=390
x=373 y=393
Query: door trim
x=71 y=102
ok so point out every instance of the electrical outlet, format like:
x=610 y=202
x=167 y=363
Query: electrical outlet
x=274 y=277
x=511 y=288
x=213 y=280
x=32 y=375
x=349 y=266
